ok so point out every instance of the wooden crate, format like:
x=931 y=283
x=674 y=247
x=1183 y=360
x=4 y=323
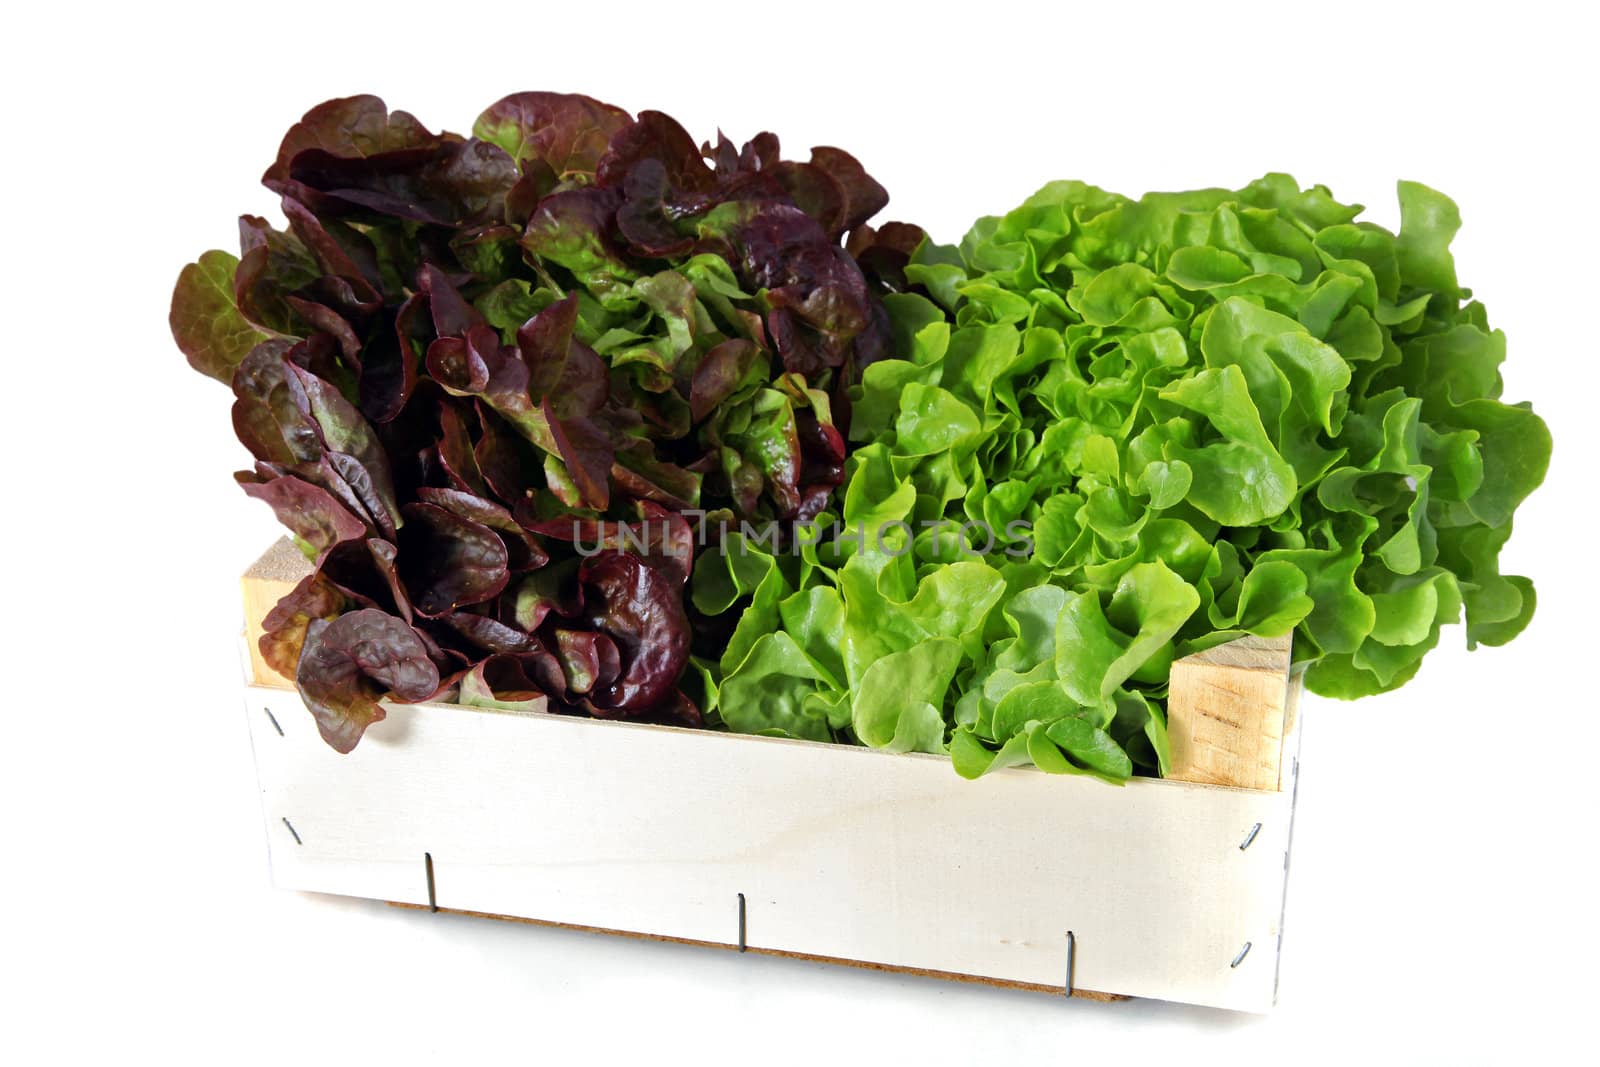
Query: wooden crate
x=1168 y=889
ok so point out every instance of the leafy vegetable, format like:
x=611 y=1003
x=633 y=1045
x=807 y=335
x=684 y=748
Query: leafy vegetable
x=971 y=499
x=484 y=378
x=1118 y=431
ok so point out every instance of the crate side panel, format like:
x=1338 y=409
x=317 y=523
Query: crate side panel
x=839 y=852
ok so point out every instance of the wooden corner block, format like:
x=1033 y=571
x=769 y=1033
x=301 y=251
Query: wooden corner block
x=1228 y=710
x=278 y=570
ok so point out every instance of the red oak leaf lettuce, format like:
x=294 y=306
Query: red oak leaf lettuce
x=483 y=379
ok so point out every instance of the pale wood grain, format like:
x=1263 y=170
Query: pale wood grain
x=1228 y=712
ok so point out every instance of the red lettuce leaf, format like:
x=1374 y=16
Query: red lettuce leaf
x=309 y=511
x=641 y=610
x=283 y=630
x=205 y=320
x=565 y=132
x=351 y=127
x=447 y=561
x=348 y=664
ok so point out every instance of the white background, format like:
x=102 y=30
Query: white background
x=1441 y=902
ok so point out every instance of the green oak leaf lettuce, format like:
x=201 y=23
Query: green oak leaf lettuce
x=1176 y=420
